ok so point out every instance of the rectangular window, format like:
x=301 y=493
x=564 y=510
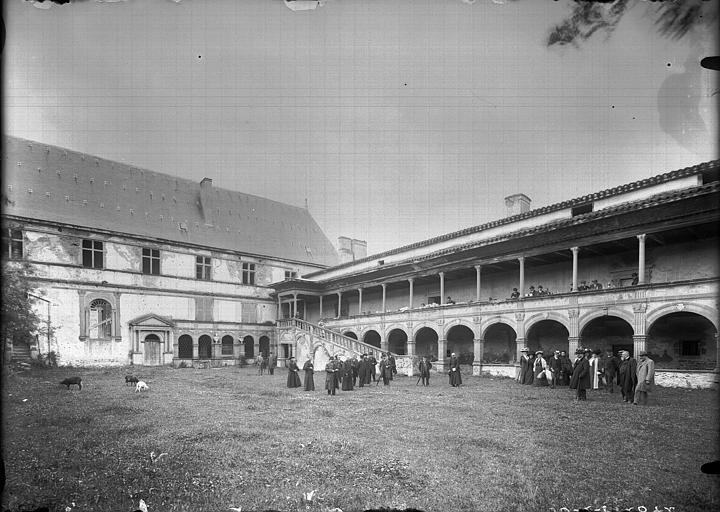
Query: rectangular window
x=690 y=348
x=151 y=261
x=582 y=209
x=289 y=274
x=92 y=254
x=13 y=243
x=249 y=313
x=248 y=273
x=204 y=309
x=202 y=267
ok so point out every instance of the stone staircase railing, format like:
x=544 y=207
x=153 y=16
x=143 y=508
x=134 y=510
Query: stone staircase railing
x=330 y=336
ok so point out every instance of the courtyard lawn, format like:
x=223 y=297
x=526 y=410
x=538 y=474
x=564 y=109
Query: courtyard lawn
x=219 y=438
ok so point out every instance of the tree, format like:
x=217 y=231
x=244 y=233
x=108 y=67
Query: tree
x=674 y=19
x=18 y=321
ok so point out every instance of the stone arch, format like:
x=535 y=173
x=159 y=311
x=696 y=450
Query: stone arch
x=585 y=319
x=470 y=325
x=547 y=335
x=394 y=327
x=320 y=356
x=710 y=314
x=350 y=334
x=264 y=346
x=683 y=340
x=549 y=315
x=185 y=347
x=227 y=344
x=205 y=347
x=426 y=342
x=510 y=322
x=607 y=332
x=372 y=337
x=249 y=347
x=397 y=341
x=499 y=340
x=460 y=340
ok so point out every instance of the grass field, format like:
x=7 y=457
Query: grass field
x=230 y=438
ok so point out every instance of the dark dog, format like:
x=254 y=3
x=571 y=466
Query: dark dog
x=73 y=380
x=131 y=379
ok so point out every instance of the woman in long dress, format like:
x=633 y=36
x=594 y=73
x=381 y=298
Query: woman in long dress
x=540 y=367
x=293 y=380
x=309 y=372
x=347 y=378
x=455 y=377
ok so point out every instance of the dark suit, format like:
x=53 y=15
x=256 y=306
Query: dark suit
x=580 y=379
x=627 y=378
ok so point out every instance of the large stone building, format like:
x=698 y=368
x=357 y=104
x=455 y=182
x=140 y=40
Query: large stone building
x=144 y=267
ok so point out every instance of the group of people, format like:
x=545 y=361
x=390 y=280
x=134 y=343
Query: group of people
x=532 y=292
x=346 y=374
x=266 y=363
x=591 y=370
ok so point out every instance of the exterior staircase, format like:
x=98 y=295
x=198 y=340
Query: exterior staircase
x=21 y=353
x=328 y=336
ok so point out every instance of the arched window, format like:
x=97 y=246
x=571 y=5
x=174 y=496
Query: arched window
x=249 y=344
x=265 y=346
x=185 y=347
x=205 y=347
x=227 y=345
x=100 y=321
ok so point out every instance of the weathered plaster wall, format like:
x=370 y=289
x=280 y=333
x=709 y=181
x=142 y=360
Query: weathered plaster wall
x=692 y=380
x=123 y=257
x=52 y=248
x=178 y=264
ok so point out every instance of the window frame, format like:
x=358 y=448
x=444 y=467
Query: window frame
x=152 y=259
x=12 y=239
x=248 y=273
x=203 y=268
x=94 y=253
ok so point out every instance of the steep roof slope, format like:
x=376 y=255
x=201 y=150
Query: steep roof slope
x=49 y=183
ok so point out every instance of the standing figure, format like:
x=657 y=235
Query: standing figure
x=540 y=370
x=338 y=365
x=330 y=373
x=594 y=362
x=530 y=374
x=567 y=369
x=555 y=365
x=645 y=378
x=524 y=365
x=260 y=362
x=424 y=370
x=580 y=379
x=610 y=366
x=373 y=367
x=363 y=371
x=272 y=363
x=309 y=369
x=391 y=364
x=347 y=378
x=627 y=376
x=354 y=363
x=293 y=379
x=384 y=370
x=455 y=377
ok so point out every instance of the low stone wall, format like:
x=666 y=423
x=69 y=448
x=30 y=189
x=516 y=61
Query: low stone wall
x=496 y=370
x=687 y=379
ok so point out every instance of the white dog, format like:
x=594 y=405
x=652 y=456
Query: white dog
x=140 y=386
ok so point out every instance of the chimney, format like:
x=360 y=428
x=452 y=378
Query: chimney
x=345 y=249
x=206 y=200
x=517 y=204
x=359 y=249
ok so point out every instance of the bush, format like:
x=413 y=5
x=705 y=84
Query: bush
x=183 y=364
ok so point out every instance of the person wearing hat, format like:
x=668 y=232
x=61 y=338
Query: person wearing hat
x=609 y=370
x=524 y=365
x=309 y=370
x=645 y=378
x=424 y=370
x=567 y=368
x=580 y=379
x=293 y=380
x=454 y=372
x=385 y=370
x=627 y=375
x=555 y=366
x=330 y=376
x=540 y=370
x=372 y=365
x=363 y=371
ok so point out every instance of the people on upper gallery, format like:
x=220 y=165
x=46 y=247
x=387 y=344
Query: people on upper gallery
x=515 y=294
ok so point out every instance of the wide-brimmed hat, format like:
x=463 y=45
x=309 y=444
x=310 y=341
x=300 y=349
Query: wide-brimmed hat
x=524 y=349
x=579 y=351
x=538 y=352
x=588 y=351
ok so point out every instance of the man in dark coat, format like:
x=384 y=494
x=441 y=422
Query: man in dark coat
x=555 y=369
x=580 y=379
x=309 y=378
x=391 y=364
x=627 y=376
x=455 y=377
x=354 y=363
x=610 y=365
x=567 y=368
x=347 y=377
x=384 y=370
x=373 y=365
x=363 y=371
x=293 y=380
x=424 y=370
x=330 y=376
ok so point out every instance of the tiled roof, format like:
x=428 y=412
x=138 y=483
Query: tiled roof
x=53 y=184
x=712 y=168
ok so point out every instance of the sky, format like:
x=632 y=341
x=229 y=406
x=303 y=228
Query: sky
x=394 y=121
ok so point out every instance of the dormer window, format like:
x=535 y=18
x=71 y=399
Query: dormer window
x=582 y=209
